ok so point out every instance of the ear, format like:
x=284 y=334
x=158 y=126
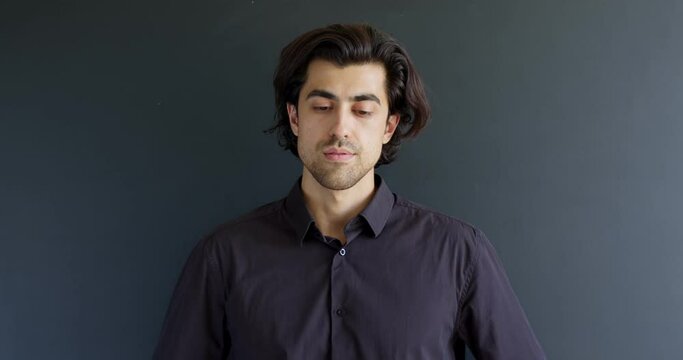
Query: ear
x=392 y=124
x=293 y=118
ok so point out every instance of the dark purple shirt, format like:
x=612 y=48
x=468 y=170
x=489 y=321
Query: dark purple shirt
x=410 y=283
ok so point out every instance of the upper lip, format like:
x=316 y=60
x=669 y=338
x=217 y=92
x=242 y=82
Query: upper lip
x=337 y=151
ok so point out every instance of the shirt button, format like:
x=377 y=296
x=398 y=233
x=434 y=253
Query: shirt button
x=342 y=252
x=340 y=312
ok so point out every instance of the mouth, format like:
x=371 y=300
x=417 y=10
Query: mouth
x=338 y=155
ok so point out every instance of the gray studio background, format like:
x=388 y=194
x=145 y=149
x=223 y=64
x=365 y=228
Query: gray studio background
x=129 y=129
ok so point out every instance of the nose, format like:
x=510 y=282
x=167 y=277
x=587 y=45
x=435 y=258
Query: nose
x=342 y=121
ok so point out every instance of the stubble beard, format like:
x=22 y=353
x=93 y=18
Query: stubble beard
x=337 y=176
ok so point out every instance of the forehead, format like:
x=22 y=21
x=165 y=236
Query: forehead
x=346 y=80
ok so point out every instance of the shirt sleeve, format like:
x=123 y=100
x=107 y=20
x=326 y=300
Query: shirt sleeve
x=195 y=325
x=492 y=322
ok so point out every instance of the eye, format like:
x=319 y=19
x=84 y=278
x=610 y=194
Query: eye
x=362 y=112
x=321 y=107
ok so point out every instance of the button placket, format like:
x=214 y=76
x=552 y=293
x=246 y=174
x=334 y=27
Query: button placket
x=339 y=285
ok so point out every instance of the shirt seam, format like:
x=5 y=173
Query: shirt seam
x=468 y=280
x=408 y=204
x=212 y=261
x=254 y=215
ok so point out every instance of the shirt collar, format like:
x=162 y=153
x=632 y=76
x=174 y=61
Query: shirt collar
x=375 y=214
x=378 y=210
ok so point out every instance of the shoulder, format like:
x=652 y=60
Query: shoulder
x=416 y=212
x=261 y=217
x=443 y=236
x=444 y=232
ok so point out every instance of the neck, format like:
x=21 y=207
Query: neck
x=332 y=209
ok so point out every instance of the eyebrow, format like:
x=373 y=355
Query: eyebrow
x=331 y=96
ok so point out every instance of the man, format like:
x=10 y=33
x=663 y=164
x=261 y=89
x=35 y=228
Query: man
x=342 y=268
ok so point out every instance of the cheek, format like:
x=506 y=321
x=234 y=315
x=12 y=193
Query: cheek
x=306 y=139
x=373 y=143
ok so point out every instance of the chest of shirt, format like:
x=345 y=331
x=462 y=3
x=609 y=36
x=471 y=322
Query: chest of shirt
x=375 y=297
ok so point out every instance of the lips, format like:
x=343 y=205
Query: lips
x=338 y=155
x=338 y=152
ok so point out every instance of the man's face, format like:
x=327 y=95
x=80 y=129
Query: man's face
x=341 y=122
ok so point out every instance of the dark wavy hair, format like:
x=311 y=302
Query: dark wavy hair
x=345 y=45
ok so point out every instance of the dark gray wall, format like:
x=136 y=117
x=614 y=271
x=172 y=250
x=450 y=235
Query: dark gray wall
x=129 y=129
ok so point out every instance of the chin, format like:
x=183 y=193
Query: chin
x=339 y=180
